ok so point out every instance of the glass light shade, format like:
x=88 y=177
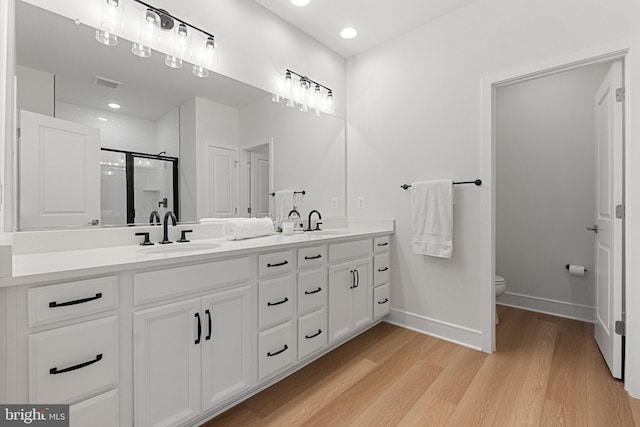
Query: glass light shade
x=173 y=62
x=304 y=108
x=316 y=98
x=182 y=42
x=200 y=71
x=291 y=103
x=209 y=54
x=330 y=105
x=106 y=38
x=141 y=50
x=149 y=34
x=111 y=13
x=276 y=98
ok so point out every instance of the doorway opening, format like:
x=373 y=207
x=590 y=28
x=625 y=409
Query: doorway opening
x=258 y=179
x=557 y=192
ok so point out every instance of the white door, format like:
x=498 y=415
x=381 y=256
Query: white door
x=167 y=364
x=609 y=228
x=362 y=295
x=59 y=177
x=222 y=181
x=341 y=280
x=226 y=345
x=259 y=186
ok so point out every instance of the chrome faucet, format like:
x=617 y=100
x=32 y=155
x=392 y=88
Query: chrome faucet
x=165 y=239
x=154 y=218
x=317 y=222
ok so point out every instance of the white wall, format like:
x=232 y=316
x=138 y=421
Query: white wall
x=414 y=114
x=308 y=153
x=168 y=133
x=35 y=91
x=545 y=191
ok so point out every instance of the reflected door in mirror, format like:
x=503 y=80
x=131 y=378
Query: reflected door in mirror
x=222 y=181
x=59 y=172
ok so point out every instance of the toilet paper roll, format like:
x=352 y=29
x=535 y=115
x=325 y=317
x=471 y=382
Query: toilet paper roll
x=576 y=270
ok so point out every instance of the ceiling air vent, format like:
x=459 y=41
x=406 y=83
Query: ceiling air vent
x=103 y=81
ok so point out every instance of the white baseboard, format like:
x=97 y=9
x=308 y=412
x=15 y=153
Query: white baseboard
x=584 y=313
x=436 y=328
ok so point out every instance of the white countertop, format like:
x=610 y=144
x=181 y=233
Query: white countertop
x=38 y=267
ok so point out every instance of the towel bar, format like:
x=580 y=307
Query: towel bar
x=477 y=182
x=295 y=192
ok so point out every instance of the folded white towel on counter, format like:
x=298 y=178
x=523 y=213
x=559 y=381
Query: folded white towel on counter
x=432 y=217
x=246 y=228
x=208 y=220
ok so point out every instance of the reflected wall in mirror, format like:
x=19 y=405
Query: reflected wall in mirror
x=212 y=147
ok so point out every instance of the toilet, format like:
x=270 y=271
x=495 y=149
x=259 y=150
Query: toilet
x=501 y=286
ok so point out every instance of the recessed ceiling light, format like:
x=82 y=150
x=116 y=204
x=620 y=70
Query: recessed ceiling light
x=300 y=2
x=348 y=33
x=114 y=105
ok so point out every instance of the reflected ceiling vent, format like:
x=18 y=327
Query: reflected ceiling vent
x=103 y=81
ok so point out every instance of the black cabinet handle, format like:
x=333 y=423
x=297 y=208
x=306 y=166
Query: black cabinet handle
x=353 y=279
x=278 y=264
x=199 y=328
x=383 y=269
x=383 y=244
x=314 y=335
x=358 y=278
x=74 y=302
x=279 y=302
x=208 y=313
x=386 y=300
x=278 y=352
x=55 y=371
x=313 y=257
x=312 y=292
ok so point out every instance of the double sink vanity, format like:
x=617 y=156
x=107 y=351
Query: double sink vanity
x=171 y=335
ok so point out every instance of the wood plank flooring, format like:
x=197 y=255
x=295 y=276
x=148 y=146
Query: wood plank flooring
x=547 y=371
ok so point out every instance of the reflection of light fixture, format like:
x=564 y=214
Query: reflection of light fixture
x=301 y=93
x=102 y=119
x=152 y=21
x=114 y=105
x=111 y=22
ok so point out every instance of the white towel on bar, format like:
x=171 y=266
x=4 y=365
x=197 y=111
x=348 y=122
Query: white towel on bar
x=283 y=204
x=246 y=228
x=432 y=217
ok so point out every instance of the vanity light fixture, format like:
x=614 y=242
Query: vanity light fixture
x=308 y=94
x=187 y=42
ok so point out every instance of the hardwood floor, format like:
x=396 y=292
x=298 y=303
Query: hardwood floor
x=547 y=371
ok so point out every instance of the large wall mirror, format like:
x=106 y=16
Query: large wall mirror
x=107 y=138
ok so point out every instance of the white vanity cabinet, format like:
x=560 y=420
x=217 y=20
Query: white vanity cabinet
x=381 y=270
x=312 y=300
x=350 y=287
x=192 y=355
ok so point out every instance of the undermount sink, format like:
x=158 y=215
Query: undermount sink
x=177 y=248
x=329 y=232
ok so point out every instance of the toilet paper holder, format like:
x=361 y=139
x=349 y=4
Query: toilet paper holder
x=567 y=267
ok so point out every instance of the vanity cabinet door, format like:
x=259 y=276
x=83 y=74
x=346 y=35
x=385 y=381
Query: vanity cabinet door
x=340 y=283
x=226 y=352
x=361 y=310
x=167 y=364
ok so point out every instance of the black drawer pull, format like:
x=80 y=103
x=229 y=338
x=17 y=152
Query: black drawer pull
x=74 y=302
x=279 y=302
x=285 y=262
x=383 y=244
x=313 y=257
x=199 y=328
x=312 y=292
x=386 y=300
x=383 y=269
x=55 y=371
x=278 y=352
x=314 y=335
x=208 y=313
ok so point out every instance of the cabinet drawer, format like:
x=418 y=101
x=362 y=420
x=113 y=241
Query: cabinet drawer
x=312 y=333
x=275 y=263
x=99 y=411
x=381 y=301
x=311 y=257
x=380 y=269
x=53 y=303
x=67 y=364
x=275 y=301
x=276 y=349
x=312 y=290
x=381 y=244
x=349 y=250
x=161 y=284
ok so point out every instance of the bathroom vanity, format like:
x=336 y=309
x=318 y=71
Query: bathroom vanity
x=173 y=335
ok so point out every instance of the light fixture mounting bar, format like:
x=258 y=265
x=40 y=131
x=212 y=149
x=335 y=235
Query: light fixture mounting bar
x=164 y=12
x=306 y=78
